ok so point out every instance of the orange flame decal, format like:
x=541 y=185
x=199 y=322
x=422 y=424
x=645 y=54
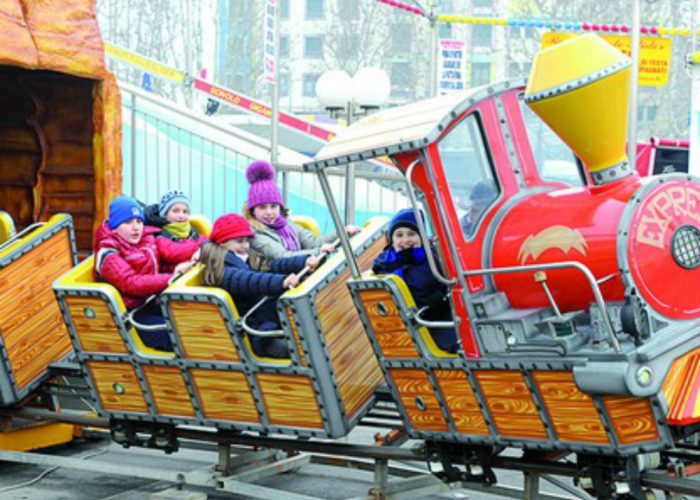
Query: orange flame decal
x=561 y=237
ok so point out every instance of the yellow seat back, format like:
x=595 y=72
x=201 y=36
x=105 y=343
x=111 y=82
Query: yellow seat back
x=7 y=226
x=307 y=222
x=201 y=224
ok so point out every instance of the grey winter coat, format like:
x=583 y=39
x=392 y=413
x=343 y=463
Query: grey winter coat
x=268 y=244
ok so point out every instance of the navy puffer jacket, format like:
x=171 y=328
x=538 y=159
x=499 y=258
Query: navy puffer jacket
x=247 y=287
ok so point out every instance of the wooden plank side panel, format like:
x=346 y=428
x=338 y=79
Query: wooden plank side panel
x=290 y=400
x=389 y=329
x=31 y=322
x=510 y=404
x=225 y=395
x=202 y=331
x=295 y=332
x=572 y=412
x=632 y=419
x=418 y=398
x=356 y=368
x=117 y=386
x=461 y=402
x=94 y=325
x=168 y=391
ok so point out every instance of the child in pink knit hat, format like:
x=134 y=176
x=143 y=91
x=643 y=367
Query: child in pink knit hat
x=275 y=235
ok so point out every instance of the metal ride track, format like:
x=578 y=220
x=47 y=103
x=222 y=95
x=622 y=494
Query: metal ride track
x=367 y=457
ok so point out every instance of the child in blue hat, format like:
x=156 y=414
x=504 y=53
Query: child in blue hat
x=404 y=256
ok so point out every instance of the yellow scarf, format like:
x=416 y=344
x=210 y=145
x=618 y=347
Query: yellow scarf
x=180 y=230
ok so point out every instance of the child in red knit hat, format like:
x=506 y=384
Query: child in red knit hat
x=275 y=236
x=225 y=258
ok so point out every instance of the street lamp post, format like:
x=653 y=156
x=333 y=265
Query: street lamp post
x=340 y=94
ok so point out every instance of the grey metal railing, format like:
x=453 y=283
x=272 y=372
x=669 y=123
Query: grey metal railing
x=167 y=146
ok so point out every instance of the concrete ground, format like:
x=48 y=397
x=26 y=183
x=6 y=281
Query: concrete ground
x=33 y=482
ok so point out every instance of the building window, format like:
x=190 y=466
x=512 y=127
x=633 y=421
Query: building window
x=401 y=38
x=481 y=74
x=284 y=46
x=445 y=30
x=284 y=9
x=314 y=9
x=514 y=70
x=309 y=84
x=313 y=47
x=348 y=9
x=481 y=4
x=481 y=35
x=285 y=82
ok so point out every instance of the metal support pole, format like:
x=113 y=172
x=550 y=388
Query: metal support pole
x=531 y=486
x=274 y=126
x=632 y=112
x=433 y=49
x=224 y=461
x=133 y=145
x=335 y=215
x=381 y=478
x=350 y=176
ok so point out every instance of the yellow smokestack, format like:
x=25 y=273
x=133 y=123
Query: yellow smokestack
x=580 y=88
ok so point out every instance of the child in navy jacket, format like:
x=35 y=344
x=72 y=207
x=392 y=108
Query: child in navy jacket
x=225 y=258
x=404 y=256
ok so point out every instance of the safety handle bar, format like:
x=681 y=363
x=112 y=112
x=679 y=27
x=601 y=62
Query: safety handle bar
x=431 y=324
x=140 y=326
x=16 y=236
x=561 y=265
x=259 y=333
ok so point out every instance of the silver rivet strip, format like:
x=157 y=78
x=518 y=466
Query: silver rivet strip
x=613 y=173
x=578 y=83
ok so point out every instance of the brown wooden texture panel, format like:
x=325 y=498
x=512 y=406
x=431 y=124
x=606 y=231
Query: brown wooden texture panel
x=31 y=323
x=572 y=412
x=98 y=334
x=389 y=329
x=290 y=400
x=168 y=390
x=352 y=358
x=632 y=419
x=461 y=402
x=203 y=331
x=295 y=332
x=510 y=404
x=225 y=395
x=413 y=383
x=108 y=375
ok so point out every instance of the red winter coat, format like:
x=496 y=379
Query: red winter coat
x=131 y=269
x=173 y=251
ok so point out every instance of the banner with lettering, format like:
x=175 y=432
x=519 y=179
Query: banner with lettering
x=654 y=54
x=451 y=66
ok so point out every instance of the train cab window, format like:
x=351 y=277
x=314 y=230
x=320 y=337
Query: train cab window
x=555 y=161
x=467 y=165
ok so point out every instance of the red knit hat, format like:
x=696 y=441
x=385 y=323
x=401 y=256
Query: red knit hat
x=228 y=227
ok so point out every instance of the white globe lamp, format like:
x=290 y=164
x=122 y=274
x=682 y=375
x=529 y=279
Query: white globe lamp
x=371 y=87
x=334 y=89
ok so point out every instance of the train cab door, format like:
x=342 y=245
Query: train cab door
x=471 y=170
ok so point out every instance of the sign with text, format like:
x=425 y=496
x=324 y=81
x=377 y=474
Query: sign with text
x=694 y=167
x=269 y=45
x=654 y=54
x=451 y=66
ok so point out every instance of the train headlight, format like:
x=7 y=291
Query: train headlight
x=685 y=247
x=644 y=376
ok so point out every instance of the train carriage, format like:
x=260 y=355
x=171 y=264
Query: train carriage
x=567 y=282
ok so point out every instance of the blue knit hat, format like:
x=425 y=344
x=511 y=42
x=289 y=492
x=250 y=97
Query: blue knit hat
x=123 y=208
x=403 y=218
x=169 y=199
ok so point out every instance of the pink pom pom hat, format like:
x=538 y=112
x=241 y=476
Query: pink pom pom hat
x=261 y=177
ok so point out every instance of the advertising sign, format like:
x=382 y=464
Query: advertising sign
x=269 y=55
x=694 y=167
x=654 y=54
x=451 y=66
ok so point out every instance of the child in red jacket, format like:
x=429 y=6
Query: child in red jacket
x=127 y=257
x=177 y=241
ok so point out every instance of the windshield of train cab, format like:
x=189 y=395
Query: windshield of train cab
x=555 y=161
x=469 y=172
